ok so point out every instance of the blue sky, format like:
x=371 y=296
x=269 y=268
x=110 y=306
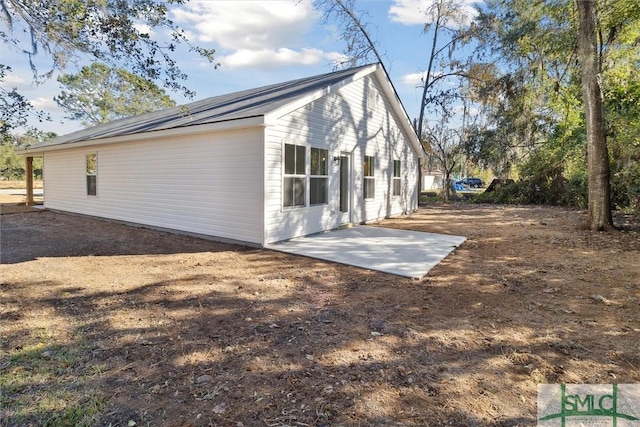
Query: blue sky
x=262 y=42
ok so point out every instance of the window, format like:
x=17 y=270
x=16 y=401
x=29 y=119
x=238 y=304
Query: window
x=372 y=98
x=369 y=180
x=294 y=191
x=396 y=177
x=92 y=174
x=318 y=188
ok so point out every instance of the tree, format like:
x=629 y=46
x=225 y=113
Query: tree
x=445 y=140
x=116 y=32
x=536 y=48
x=98 y=94
x=513 y=125
x=12 y=166
x=597 y=153
x=15 y=109
x=360 y=45
x=445 y=17
x=444 y=144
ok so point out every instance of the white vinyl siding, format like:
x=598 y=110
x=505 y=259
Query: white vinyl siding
x=207 y=184
x=347 y=121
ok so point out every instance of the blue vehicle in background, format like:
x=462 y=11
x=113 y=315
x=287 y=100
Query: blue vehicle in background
x=470 y=182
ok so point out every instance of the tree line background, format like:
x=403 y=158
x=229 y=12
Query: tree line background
x=503 y=91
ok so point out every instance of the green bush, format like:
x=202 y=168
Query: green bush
x=625 y=188
x=576 y=193
x=546 y=178
x=530 y=192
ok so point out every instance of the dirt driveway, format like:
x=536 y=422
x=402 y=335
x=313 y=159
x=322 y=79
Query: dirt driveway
x=104 y=324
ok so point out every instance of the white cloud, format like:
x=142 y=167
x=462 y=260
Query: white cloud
x=413 y=79
x=273 y=57
x=42 y=103
x=144 y=29
x=414 y=12
x=408 y=12
x=337 y=58
x=250 y=25
x=11 y=79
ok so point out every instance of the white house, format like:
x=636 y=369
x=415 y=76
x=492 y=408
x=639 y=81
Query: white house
x=256 y=166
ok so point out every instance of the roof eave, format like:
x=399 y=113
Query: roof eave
x=246 y=122
x=400 y=111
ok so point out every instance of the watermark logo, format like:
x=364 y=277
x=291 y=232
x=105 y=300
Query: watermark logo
x=592 y=405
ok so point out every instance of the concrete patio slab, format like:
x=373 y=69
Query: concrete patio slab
x=401 y=252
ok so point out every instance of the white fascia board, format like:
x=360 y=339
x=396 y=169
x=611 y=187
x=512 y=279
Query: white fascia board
x=228 y=125
x=273 y=116
x=401 y=113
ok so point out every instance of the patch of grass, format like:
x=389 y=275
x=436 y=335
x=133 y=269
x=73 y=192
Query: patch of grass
x=48 y=386
x=431 y=197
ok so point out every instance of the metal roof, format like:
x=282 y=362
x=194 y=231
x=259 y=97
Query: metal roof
x=231 y=106
x=248 y=106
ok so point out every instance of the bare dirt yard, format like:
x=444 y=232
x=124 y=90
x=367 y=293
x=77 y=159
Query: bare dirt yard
x=109 y=325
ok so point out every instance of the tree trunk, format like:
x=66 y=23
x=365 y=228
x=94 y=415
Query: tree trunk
x=600 y=218
x=446 y=194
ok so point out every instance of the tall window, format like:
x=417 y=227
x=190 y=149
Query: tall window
x=396 y=177
x=369 y=186
x=372 y=98
x=294 y=192
x=318 y=188
x=92 y=174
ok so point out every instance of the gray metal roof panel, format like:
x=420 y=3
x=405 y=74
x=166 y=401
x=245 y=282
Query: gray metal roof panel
x=231 y=106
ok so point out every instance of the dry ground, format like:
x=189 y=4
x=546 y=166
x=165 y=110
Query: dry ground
x=104 y=324
x=10 y=200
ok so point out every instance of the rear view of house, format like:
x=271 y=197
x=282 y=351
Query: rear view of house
x=256 y=166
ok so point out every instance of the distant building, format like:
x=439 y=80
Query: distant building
x=432 y=179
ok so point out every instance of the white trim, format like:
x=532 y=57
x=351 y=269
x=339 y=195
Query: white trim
x=395 y=178
x=366 y=178
x=87 y=174
x=295 y=175
x=310 y=176
x=167 y=133
x=264 y=206
x=401 y=114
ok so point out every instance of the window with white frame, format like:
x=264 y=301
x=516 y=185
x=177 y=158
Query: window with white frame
x=396 y=178
x=295 y=178
x=369 y=185
x=92 y=174
x=372 y=98
x=319 y=177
